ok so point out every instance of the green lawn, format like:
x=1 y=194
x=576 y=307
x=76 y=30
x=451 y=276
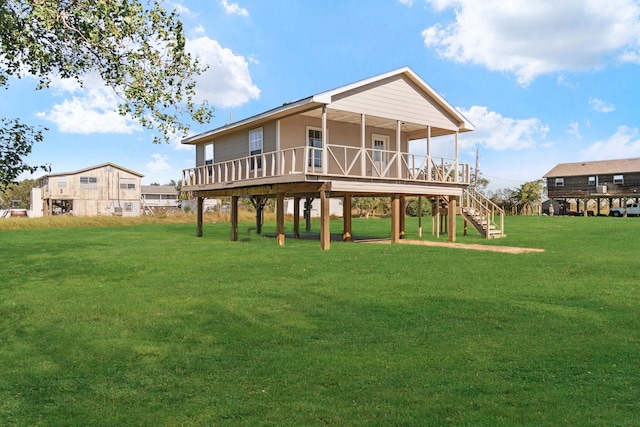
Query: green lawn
x=149 y=325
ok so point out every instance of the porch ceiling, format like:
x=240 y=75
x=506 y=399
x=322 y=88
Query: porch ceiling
x=415 y=130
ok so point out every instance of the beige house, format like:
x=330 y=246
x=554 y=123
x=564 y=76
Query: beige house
x=160 y=196
x=106 y=189
x=351 y=141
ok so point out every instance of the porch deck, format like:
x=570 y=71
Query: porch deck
x=337 y=162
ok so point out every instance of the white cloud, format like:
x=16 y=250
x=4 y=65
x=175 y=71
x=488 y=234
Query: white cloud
x=529 y=39
x=159 y=163
x=623 y=144
x=234 y=8
x=496 y=132
x=95 y=111
x=574 y=129
x=406 y=2
x=601 y=106
x=227 y=82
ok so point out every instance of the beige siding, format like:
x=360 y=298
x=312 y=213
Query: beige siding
x=293 y=133
x=101 y=197
x=236 y=146
x=395 y=98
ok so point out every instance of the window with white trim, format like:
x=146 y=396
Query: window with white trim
x=127 y=183
x=618 y=179
x=559 y=182
x=314 y=141
x=62 y=182
x=592 y=180
x=88 y=182
x=255 y=148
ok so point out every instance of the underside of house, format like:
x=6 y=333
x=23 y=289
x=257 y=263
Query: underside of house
x=372 y=138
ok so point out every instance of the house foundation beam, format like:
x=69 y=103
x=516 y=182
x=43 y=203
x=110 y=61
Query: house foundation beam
x=296 y=217
x=280 y=218
x=453 y=207
x=395 y=218
x=199 y=209
x=325 y=229
x=234 y=218
x=346 y=217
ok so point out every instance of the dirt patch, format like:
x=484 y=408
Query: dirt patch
x=473 y=247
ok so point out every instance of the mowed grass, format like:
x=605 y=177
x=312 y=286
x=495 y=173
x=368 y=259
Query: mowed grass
x=148 y=325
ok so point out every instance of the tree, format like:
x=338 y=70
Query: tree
x=529 y=196
x=16 y=140
x=20 y=193
x=135 y=46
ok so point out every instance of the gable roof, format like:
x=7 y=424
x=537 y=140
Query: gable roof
x=113 y=165
x=158 y=189
x=599 y=167
x=326 y=98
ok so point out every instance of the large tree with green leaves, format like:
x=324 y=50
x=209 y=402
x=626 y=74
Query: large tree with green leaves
x=530 y=195
x=136 y=47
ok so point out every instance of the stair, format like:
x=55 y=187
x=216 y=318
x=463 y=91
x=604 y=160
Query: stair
x=482 y=213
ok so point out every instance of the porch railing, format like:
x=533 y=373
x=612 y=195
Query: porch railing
x=336 y=161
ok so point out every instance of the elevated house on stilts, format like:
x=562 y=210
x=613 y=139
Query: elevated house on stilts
x=346 y=142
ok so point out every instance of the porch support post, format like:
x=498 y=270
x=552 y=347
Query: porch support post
x=199 y=210
x=598 y=208
x=395 y=218
x=398 y=149
x=363 y=146
x=325 y=230
x=456 y=164
x=403 y=215
x=419 y=216
x=280 y=218
x=234 y=218
x=346 y=216
x=325 y=151
x=296 y=217
x=428 y=160
x=586 y=212
x=452 y=218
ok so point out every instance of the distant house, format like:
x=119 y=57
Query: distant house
x=604 y=179
x=106 y=189
x=352 y=141
x=160 y=196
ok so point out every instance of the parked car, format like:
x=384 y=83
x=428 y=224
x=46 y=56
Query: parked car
x=633 y=209
x=18 y=212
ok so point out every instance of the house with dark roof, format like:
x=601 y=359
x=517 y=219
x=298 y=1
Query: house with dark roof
x=603 y=179
x=346 y=142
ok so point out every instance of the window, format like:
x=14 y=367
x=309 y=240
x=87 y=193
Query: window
x=559 y=182
x=618 y=179
x=314 y=140
x=255 y=148
x=128 y=207
x=88 y=182
x=592 y=180
x=62 y=182
x=127 y=183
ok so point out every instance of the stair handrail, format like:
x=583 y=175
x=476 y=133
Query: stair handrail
x=472 y=198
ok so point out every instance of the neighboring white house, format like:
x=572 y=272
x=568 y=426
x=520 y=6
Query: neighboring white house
x=106 y=189
x=160 y=196
x=335 y=207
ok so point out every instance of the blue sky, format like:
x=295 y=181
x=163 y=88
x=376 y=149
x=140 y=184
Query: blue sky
x=544 y=82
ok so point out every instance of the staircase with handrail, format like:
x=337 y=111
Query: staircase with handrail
x=482 y=213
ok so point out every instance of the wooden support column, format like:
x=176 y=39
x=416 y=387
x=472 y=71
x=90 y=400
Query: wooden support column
x=346 y=216
x=420 y=216
x=395 y=218
x=307 y=213
x=598 y=208
x=453 y=207
x=325 y=229
x=403 y=215
x=363 y=146
x=199 y=210
x=280 y=218
x=234 y=218
x=296 y=217
x=586 y=209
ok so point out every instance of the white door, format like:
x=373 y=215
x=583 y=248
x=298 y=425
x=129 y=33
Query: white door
x=379 y=144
